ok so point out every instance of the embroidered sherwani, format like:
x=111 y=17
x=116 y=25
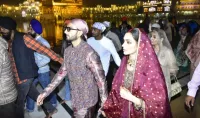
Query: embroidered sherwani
x=83 y=67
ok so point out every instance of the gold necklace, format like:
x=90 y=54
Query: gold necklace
x=131 y=62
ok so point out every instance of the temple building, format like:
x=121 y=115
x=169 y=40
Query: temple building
x=60 y=10
x=157 y=6
x=188 y=7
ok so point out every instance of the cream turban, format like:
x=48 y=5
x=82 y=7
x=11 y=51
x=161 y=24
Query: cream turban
x=106 y=23
x=99 y=26
x=81 y=25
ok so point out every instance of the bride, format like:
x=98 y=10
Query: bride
x=165 y=56
x=138 y=89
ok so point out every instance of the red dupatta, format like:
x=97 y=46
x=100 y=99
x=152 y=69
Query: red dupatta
x=148 y=85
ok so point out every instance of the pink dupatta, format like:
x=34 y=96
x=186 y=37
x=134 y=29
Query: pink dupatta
x=148 y=85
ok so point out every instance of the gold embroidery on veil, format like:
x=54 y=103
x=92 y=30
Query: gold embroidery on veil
x=133 y=73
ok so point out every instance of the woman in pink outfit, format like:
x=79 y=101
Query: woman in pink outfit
x=138 y=89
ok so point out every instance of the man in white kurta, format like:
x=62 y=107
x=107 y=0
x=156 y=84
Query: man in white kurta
x=103 y=46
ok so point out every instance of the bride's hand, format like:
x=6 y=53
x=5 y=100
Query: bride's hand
x=125 y=93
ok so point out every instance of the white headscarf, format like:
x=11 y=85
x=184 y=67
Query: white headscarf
x=99 y=26
x=106 y=23
x=165 y=41
x=162 y=35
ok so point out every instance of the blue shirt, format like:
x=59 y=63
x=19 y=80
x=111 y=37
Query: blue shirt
x=41 y=60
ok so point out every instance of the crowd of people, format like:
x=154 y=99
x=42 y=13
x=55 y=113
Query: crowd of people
x=118 y=72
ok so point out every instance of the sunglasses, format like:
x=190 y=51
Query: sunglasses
x=69 y=29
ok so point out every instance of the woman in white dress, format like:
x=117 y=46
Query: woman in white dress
x=165 y=56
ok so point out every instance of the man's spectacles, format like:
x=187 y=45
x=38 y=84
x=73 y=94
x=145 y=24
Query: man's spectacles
x=69 y=29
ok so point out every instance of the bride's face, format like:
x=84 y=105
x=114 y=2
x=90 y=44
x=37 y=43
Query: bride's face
x=129 y=45
x=154 y=38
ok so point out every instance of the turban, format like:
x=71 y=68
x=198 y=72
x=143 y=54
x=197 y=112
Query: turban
x=124 y=18
x=8 y=23
x=106 y=23
x=36 y=26
x=99 y=26
x=194 y=27
x=81 y=25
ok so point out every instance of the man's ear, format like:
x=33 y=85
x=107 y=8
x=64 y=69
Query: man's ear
x=80 y=33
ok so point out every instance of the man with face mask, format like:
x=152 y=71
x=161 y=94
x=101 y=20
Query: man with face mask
x=42 y=61
x=83 y=67
x=21 y=52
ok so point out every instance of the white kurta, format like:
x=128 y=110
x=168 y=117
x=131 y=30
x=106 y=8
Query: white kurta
x=105 y=48
x=115 y=39
x=168 y=64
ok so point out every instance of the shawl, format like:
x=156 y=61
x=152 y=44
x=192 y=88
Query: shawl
x=193 y=49
x=148 y=85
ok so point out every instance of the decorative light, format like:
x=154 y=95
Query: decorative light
x=167 y=8
x=152 y=9
x=24 y=14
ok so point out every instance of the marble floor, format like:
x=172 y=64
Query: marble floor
x=177 y=103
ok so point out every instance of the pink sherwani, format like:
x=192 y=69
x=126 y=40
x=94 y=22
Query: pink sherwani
x=83 y=67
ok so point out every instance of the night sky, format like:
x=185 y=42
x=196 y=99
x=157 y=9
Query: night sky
x=85 y=2
x=10 y=2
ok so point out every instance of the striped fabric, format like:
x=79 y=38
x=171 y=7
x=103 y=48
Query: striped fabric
x=38 y=47
x=8 y=92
